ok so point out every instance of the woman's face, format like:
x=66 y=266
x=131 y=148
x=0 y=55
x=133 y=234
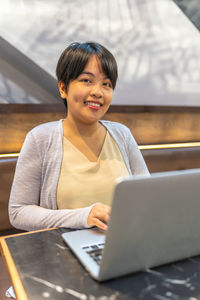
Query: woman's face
x=89 y=95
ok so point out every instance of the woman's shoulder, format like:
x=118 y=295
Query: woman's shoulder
x=116 y=127
x=45 y=129
x=45 y=134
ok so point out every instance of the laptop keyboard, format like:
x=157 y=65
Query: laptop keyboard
x=95 y=252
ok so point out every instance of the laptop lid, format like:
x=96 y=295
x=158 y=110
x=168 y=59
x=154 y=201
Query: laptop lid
x=154 y=220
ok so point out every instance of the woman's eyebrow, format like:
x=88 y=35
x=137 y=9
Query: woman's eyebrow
x=91 y=74
x=87 y=73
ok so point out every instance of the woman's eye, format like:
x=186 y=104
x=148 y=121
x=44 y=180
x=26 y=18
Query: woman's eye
x=85 y=80
x=108 y=84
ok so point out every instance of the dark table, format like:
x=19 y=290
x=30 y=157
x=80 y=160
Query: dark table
x=42 y=267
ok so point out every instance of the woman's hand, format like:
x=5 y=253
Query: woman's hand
x=99 y=215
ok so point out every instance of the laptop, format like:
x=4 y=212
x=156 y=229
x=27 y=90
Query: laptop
x=154 y=220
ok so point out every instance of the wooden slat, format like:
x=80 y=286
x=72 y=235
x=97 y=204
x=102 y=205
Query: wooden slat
x=160 y=127
x=15 y=279
x=26 y=232
x=149 y=125
x=172 y=159
x=14 y=127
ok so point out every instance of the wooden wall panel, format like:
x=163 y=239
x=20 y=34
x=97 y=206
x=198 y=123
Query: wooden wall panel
x=160 y=126
x=14 y=127
x=149 y=125
x=162 y=160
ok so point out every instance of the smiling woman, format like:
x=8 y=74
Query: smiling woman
x=66 y=171
x=88 y=96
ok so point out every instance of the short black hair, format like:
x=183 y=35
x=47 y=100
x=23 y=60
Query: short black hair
x=76 y=56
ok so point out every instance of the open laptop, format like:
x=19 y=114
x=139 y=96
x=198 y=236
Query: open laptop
x=154 y=220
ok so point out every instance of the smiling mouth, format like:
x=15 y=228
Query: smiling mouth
x=93 y=105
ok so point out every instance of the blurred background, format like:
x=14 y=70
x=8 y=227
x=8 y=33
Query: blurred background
x=156 y=44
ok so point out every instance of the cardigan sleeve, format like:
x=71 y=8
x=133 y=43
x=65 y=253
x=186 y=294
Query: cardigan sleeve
x=136 y=160
x=25 y=211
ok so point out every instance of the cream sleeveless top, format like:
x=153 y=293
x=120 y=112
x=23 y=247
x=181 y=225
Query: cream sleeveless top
x=82 y=182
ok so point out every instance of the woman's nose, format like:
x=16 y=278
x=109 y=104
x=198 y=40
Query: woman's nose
x=96 y=91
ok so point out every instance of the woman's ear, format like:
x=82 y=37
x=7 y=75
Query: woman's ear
x=62 y=90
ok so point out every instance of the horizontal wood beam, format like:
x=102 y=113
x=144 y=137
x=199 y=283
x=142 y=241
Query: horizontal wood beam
x=149 y=125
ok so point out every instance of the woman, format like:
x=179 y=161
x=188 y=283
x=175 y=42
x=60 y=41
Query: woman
x=66 y=170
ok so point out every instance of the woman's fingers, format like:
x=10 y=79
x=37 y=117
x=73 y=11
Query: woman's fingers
x=99 y=215
x=99 y=224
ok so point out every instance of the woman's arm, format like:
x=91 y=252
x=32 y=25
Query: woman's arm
x=25 y=211
x=136 y=160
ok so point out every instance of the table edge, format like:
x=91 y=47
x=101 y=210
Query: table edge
x=10 y=265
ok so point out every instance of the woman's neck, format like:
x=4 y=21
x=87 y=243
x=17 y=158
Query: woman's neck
x=79 y=129
x=87 y=138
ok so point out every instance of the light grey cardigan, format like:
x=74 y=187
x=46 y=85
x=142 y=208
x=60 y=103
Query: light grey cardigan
x=32 y=203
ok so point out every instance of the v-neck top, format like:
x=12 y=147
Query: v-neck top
x=82 y=182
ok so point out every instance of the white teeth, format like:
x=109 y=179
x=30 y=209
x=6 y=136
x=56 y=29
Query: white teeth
x=93 y=104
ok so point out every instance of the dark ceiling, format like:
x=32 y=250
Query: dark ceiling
x=191 y=8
